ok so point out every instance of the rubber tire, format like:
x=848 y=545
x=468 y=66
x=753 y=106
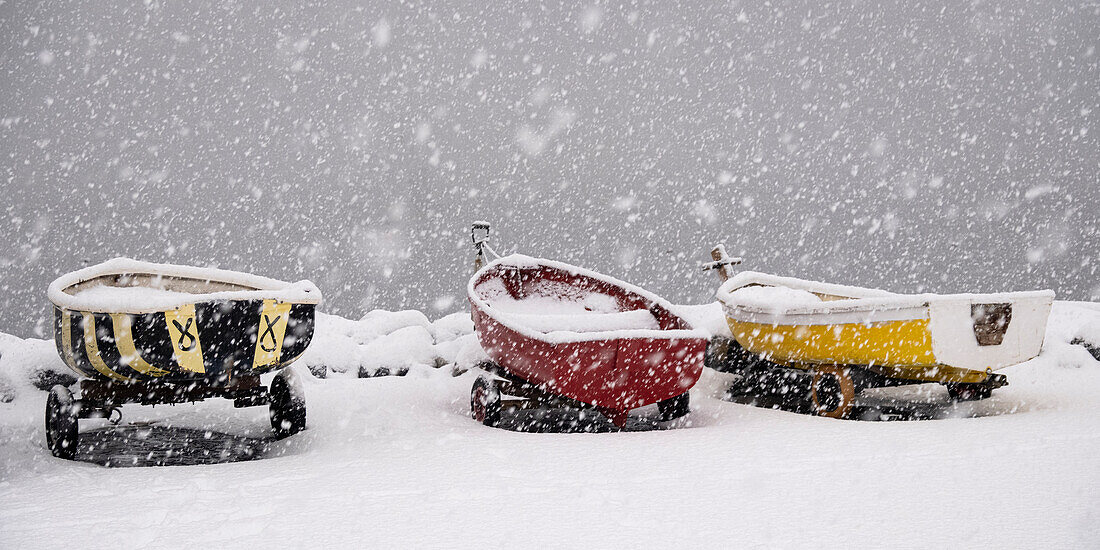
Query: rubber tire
x=847 y=392
x=485 y=401
x=674 y=407
x=969 y=392
x=287 y=410
x=62 y=422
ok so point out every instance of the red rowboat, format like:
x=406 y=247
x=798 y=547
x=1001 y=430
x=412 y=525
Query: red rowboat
x=558 y=331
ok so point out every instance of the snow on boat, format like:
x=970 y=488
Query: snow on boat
x=161 y=333
x=956 y=338
x=582 y=336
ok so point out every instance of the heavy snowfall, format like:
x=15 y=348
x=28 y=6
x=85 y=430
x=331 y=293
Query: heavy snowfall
x=918 y=148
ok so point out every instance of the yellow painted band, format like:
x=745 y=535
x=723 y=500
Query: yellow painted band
x=124 y=340
x=67 y=339
x=67 y=342
x=896 y=349
x=92 y=347
x=269 y=336
x=900 y=343
x=183 y=329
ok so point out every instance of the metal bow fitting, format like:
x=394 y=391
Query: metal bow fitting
x=723 y=262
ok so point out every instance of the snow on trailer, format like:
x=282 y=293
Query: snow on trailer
x=151 y=333
x=560 y=335
x=834 y=341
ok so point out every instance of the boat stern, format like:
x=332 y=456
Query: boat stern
x=990 y=331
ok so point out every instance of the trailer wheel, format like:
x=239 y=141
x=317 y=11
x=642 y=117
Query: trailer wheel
x=674 y=407
x=969 y=392
x=832 y=391
x=288 y=404
x=485 y=401
x=62 y=421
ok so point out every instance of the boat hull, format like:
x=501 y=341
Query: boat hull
x=929 y=338
x=896 y=349
x=213 y=342
x=617 y=374
x=615 y=370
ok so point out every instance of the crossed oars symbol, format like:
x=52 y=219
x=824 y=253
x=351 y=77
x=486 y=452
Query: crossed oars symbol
x=185 y=332
x=270 y=330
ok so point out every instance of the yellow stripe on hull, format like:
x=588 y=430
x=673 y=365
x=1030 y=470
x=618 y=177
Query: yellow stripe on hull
x=124 y=340
x=92 y=349
x=269 y=338
x=67 y=342
x=183 y=329
x=67 y=339
x=897 y=349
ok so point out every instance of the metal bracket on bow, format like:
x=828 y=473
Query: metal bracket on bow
x=723 y=262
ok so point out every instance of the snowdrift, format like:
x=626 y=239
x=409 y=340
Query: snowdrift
x=389 y=342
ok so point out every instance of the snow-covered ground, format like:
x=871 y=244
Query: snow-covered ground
x=396 y=461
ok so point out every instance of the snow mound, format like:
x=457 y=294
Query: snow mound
x=706 y=317
x=1089 y=333
x=29 y=364
x=452 y=326
x=384 y=342
x=452 y=334
x=1079 y=324
x=399 y=351
x=381 y=322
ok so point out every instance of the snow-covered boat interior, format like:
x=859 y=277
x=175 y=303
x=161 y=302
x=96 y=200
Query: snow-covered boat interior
x=126 y=285
x=549 y=305
x=114 y=282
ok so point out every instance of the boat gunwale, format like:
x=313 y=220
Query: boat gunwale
x=260 y=287
x=881 y=306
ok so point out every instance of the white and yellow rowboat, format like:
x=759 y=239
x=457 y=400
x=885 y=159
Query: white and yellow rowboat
x=956 y=338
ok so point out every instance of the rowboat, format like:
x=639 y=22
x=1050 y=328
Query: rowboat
x=561 y=334
x=925 y=337
x=867 y=337
x=162 y=333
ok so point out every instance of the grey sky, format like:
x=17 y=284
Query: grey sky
x=915 y=146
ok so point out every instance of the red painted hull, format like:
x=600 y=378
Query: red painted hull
x=616 y=373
